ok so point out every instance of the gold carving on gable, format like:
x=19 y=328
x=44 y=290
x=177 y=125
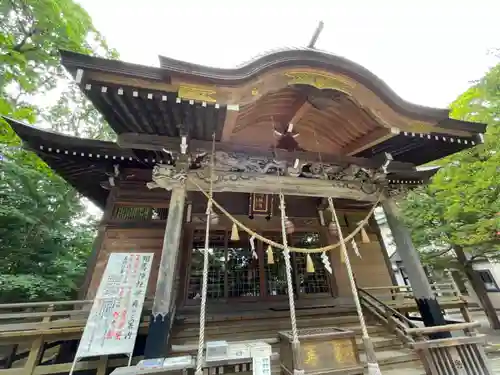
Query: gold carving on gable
x=200 y=93
x=316 y=79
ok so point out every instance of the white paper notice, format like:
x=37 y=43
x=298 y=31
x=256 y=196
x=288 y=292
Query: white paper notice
x=261 y=358
x=261 y=365
x=116 y=313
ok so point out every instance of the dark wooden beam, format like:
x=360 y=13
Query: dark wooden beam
x=158 y=143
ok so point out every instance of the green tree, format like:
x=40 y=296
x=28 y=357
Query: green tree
x=455 y=219
x=31 y=34
x=45 y=232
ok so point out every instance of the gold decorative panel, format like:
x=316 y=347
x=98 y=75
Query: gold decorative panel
x=316 y=79
x=200 y=93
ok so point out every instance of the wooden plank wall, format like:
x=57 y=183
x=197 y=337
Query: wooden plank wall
x=140 y=240
x=369 y=270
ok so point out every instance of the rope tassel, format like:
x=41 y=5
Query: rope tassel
x=364 y=235
x=309 y=264
x=270 y=255
x=234 y=233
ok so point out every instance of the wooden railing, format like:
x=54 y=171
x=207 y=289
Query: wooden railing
x=399 y=324
x=401 y=297
x=450 y=356
x=401 y=292
x=396 y=322
x=32 y=336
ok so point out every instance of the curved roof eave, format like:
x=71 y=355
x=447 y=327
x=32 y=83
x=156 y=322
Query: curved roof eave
x=297 y=57
x=300 y=57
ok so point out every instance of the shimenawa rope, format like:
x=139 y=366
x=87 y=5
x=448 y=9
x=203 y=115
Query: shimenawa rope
x=204 y=287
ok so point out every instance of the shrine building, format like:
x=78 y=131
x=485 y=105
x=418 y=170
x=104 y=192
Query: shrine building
x=301 y=124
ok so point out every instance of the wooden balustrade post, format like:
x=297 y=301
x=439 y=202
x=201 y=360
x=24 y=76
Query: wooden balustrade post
x=37 y=346
x=426 y=300
x=9 y=358
x=463 y=307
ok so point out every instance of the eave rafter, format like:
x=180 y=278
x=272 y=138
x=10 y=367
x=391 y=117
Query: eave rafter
x=368 y=140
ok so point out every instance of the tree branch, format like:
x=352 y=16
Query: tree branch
x=440 y=253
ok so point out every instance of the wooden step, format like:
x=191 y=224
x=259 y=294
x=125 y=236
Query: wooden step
x=255 y=335
x=389 y=357
x=379 y=343
x=390 y=362
x=243 y=326
x=182 y=330
x=193 y=316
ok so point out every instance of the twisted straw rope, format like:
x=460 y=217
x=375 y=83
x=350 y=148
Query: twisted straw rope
x=288 y=266
x=204 y=285
x=276 y=245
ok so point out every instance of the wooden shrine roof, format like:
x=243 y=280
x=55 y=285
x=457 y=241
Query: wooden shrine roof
x=87 y=164
x=335 y=105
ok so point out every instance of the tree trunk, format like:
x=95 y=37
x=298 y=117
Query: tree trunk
x=479 y=288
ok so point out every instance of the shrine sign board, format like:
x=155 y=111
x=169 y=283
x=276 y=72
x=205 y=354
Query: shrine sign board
x=115 y=316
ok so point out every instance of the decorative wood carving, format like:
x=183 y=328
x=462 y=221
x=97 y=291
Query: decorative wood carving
x=168 y=177
x=239 y=162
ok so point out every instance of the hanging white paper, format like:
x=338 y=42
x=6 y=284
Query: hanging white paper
x=116 y=313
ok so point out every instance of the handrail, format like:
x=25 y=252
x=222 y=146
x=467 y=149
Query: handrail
x=443 y=328
x=389 y=308
x=52 y=303
x=437 y=287
x=404 y=327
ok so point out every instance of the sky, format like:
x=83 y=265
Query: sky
x=427 y=51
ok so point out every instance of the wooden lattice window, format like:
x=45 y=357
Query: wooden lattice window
x=317 y=281
x=275 y=273
x=243 y=273
x=138 y=213
x=216 y=266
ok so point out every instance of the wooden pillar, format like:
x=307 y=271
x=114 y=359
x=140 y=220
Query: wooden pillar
x=426 y=300
x=160 y=322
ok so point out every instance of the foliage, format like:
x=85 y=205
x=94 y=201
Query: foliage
x=461 y=206
x=45 y=232
x=31 y=34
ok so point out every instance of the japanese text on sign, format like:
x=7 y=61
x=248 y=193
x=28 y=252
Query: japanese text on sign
x=116 y=313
